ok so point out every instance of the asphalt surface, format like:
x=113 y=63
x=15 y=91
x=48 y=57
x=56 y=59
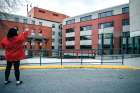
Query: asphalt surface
x=74 y=81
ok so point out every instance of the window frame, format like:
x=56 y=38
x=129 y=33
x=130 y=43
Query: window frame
x=104 y=25
x=125 y=10
x=73 y=47
x=25 y=21
x=33 y=22
x=85 y=28
x=86 y=18
x=84 y=46
x=70 y=39
x=125 y=22
x=16 y=19
x=70 y=30
x=105 y=14
x=86 y=37
x=41 y=23
x=72 y=21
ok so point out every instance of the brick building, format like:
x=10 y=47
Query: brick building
x=45 y=27
x=107 y=29
x=44 y=14
x=53 y=20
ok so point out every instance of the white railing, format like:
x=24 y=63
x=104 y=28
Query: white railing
x=72 y=34
x=106 y=30
x=86 y=42
x=70 y=43
x=88 y=32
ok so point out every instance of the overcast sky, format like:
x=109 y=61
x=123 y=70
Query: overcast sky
x=72 y=7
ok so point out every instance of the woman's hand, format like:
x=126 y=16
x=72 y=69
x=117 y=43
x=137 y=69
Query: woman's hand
x=26 y=30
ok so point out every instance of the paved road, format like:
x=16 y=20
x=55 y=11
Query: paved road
x=74 y=81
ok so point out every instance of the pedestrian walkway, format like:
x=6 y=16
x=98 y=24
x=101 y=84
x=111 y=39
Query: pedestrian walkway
x=54 y=63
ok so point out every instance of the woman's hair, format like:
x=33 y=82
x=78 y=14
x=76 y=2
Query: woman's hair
x=12 y=32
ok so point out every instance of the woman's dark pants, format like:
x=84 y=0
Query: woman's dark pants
x=16 y=68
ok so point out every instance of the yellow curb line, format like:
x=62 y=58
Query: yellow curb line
x=74 y=66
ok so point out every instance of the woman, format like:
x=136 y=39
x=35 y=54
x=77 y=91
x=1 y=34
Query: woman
x=14 y=52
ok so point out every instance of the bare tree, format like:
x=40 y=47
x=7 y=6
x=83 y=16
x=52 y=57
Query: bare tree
x=11 y=5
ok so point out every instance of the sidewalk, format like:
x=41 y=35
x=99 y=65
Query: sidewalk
x=46 y=63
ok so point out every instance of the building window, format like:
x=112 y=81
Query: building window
x=41 y=11
x=60 y=34
x=84 y=28
x=88 y=37
x=85 y=47
x=105 y=14
x=60 y=26
x=53 y=25
x=106 y=36
x=60 y=41
x=86 y=18
x=106 y=46
x=125 y=10
x=126 y=34
x=1 y=17
x=33 y=22
x=55 y=14
x=52 y=47
x=106 y=25
x=69 y=30
x=25 y=21
x=17 y=19
x=40 y=23
x=53 y=32
x=70 y=47
x=70 y=38
x=70 y=21
x=125 y=22
x=53 y=40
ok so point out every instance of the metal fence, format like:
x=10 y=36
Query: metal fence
x=73 y=56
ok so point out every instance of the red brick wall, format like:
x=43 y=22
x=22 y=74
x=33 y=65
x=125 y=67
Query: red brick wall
x=46 y=14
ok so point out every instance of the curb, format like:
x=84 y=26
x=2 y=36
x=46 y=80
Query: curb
x=76 y=67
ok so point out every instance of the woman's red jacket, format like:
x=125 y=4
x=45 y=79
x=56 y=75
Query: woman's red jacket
x=14 y=47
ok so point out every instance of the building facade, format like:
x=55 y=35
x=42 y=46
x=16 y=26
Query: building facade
x=54 y=20
x=45 y=27
x=107 y=31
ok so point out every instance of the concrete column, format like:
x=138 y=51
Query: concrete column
x=111 y=44
x=134 y=6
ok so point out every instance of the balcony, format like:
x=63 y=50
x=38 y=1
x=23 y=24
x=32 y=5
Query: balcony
x=70 y=43
x=53 y=44
x=88 y=32
x=106 y=41
x=106 y=30
x=86 y=42
x=72 y=34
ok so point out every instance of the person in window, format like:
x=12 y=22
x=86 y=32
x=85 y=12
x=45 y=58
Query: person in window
x=13 y=44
